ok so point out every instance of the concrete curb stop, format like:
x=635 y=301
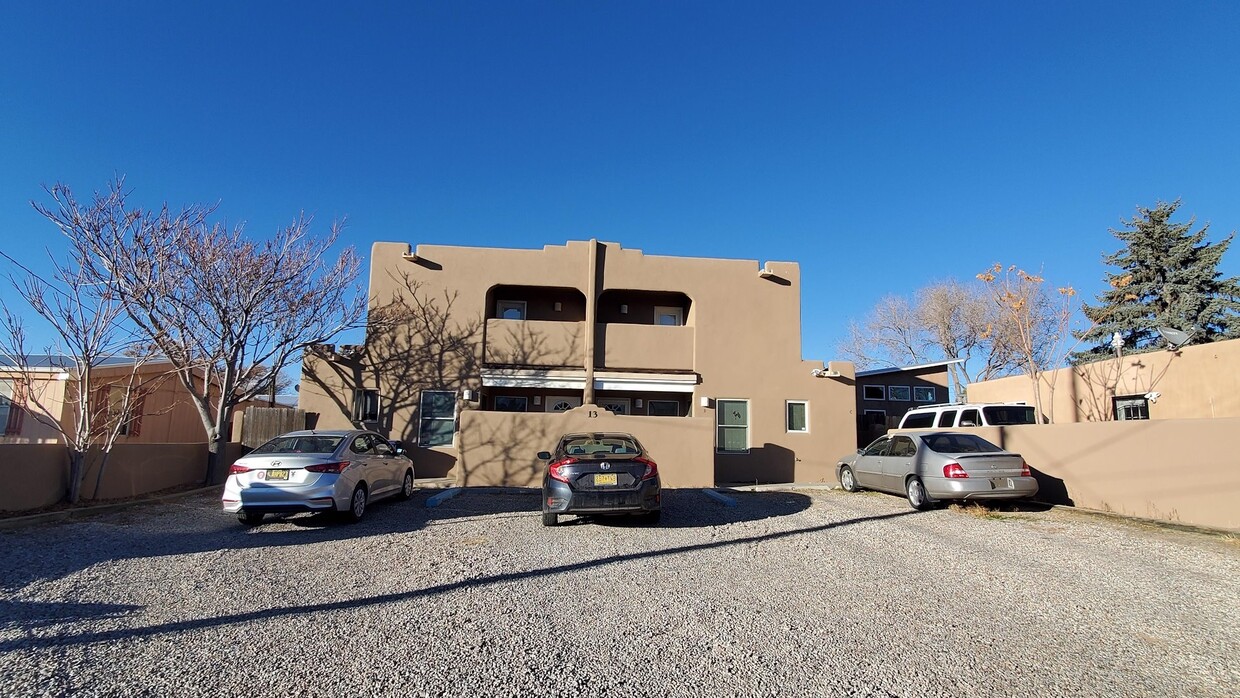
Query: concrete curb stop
x=720 y=497
x=437 y=499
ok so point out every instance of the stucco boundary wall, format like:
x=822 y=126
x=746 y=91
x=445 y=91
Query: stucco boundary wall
x=37 y=475
x=1171 y=469
x=500 y=448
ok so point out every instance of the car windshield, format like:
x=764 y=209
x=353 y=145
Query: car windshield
x=300 y=444
x=959 y=443
x=1003 y=415
x=599 y=444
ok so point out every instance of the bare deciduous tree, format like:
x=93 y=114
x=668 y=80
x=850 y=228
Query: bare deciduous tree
x=86 y=319
x=216 y=303
x=945 y=320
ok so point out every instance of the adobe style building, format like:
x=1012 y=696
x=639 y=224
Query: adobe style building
x=479 y=358
x=1192 y=382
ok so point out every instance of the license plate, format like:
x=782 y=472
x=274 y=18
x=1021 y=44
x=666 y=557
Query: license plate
x=604 y=479
x=1001 y=483
x=277 y=474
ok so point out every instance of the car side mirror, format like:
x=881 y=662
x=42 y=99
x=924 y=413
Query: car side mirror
x=400 y=451
x=967 y=424
x=860 y=450
x=544 y=455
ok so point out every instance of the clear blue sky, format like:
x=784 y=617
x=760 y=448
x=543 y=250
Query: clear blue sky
x=882 y=145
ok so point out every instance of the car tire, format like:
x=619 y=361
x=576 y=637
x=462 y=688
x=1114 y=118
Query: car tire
x=406 y=487
x=550 y=519
x=918 y=498
x=357 y=504
x=249 y=518
x=847 y=480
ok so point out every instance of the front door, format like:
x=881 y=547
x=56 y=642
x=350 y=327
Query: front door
x=618 y=405
x=561 y=403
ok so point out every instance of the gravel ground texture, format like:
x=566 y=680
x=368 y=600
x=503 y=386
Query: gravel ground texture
x=813 y=593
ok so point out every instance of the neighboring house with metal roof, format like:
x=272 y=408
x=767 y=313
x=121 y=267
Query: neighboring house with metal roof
x=885 y=394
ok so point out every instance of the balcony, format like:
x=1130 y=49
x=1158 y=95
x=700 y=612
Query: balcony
x=623 y=346
x=534 y=343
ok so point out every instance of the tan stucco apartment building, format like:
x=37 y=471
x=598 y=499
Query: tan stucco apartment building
x=479 y=358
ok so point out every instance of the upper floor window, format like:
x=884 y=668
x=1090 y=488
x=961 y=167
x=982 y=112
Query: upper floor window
x=898 y=393
x=366 y=405
x=664 y=315
x=872 y=392
x=510 y=310
x=923 y=394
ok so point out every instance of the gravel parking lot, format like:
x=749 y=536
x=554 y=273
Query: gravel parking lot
x=786 y=594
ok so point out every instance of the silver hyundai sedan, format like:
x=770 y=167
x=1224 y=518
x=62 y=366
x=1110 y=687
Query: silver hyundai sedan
x=928 y=467
x=317 y=471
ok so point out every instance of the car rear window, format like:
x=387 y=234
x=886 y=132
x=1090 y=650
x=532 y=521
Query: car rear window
x=300 y=444
x=1002 y=415
x=600 y=445
x=959 y=443
x=918 y=420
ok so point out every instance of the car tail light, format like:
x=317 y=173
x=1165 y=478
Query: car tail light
x=954 y=471
x=556 y=469
x=237 y=469
x=328 y=467
x=1024 y=469
x=652 y=468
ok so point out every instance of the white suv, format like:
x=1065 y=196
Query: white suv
x=976 y=414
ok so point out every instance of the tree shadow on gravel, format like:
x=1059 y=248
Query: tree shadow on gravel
x=87 y=638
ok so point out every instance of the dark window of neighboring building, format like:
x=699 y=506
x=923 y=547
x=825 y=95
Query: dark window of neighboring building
x=663 y=408
x=876 y=417
x=365 y=405
x=898 y=393
x=873 y=392
x=948 y=418
x=1131 y=407
x=507 y=403
x=923 y=394
x=437 y=412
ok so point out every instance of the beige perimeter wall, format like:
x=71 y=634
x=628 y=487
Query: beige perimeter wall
x=500 y=448
x=37 y=475
x=1171 y=469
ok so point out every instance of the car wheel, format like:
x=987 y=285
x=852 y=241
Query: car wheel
x=917 y=496
x=406 y=487
x=357 y=504
x=847 y=480
x=550 y=519
x=249 y=518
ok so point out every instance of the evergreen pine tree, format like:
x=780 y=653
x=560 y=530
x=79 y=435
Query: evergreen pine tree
x=1168 y=277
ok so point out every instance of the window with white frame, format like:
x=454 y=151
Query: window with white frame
x=666 y=315
x=923 y=394
x=899 y=393
x=1131 y=407
x=873 y=392
x=510 y=403
x=732 y=426
x=510 y=310
x=796 y=414
x=437 y=416
x=365 y=405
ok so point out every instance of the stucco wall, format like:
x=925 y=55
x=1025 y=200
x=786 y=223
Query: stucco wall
x=1199 y=381
x=500 y=448
x=1174 y=469
x=34 y=475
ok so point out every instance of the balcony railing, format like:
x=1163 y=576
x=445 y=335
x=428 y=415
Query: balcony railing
x=534 y=343
x=644 y=347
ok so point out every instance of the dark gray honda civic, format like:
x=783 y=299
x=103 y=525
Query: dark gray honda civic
x=599 y=474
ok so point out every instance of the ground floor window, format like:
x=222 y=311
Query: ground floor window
x=509 y=403
x=437 y=413
x=797 y=415
x=663 y=408
x=875 y=417
x=1131 y=407
x=366 y=405
x=732 y=426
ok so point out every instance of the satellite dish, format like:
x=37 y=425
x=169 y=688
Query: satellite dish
x=1175 y=338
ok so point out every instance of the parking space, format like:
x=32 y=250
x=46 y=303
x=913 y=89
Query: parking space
x=787 y=593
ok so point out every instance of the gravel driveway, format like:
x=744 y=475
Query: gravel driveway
x=787 y=594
